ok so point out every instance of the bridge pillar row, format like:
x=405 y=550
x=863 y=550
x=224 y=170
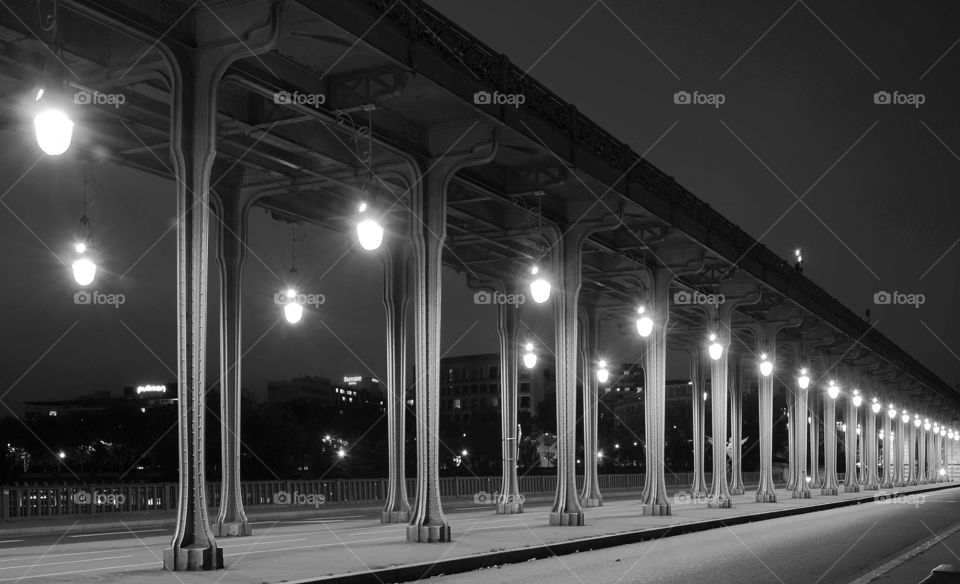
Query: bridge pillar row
x=428 y=231
x=871 y=447
x=830 y=485
x=655 y=501
x=233 y=206
x=736 y=427
x=194 y=76
x=508 y=327
x=698 y=375
x=921 y=455
x=850 y=481
x=801 y=488
x=766 y=343
x=911 y=478
x=589 y=340
x=396 y=258
x=899 y=449
x=887 y=465
x=814 y=434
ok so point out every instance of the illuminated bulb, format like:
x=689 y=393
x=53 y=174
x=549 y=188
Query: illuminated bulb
x=54 y=130
x=943 y=432
x=857 y=398
x=644 y=323
x=766 y=367
x=84 y=271
x=833 y=391
x=341 y=453
x=292 y=310
x=539 y=287
x=926 y=425
x=463 y=452
x=370 y=234
x=892 y=413
x=715 y=349
x=804 y=379
x=602 y=373
x=917 y=422
x=875 y=406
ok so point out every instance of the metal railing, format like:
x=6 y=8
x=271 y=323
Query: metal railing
x=45 y=501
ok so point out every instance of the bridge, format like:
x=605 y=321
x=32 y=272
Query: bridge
x=386 y=121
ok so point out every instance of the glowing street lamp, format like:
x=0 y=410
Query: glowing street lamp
x=715 y=349
x=926 y=425
x=891 y=411
x=875 y=406
x=539 y=286
x=916 y=421
x=804 y=380
x=857 y=398
x=766 y=367
x=602 y=373
x=832 y=390
x=644 y=323
x=529 y=358
x=905 y=417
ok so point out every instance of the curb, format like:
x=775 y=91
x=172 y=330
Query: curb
x=415 y=572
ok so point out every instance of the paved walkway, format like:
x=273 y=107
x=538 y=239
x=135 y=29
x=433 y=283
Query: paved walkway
x=312 y=549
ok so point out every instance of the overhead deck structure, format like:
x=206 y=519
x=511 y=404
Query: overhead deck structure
x=303 y=108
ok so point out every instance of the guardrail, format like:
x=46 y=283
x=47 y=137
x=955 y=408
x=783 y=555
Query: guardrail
x=44 y=501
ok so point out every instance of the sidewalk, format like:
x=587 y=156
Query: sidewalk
x=362 y=550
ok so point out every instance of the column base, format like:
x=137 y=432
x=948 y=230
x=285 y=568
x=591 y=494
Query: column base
x=851 y=488
x=699 y=493
x=829 y=491
x=509 y=508
x=720 y=503
x=871 y=487
x=766 y=498
x=564 y=518
x=656 y=509
x=232 y=529
x=736 y=490
x=394 y=516
x=428 y=533
x=591 y=502
x=192 y=559
x=801 y=495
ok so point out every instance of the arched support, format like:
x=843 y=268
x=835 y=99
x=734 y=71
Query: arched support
x=196 y=76
x=233 y=207
x=814 y=434
x=900 y=446
x=911 y=477
x=830 y=485
x=791 y=439
x=589 y=341
x=886 y=481
x=655 y=501
x=736 y=428
x=801 y=487
x=851 y=483
x=871 y=447
x=698 y=375
x=921 y=455
x=396 y=286
x=428 y=231
x=508 y=327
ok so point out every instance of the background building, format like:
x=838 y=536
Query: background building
x=470 y=385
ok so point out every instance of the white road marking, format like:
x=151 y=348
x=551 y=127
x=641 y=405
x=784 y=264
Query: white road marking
x=116 y=533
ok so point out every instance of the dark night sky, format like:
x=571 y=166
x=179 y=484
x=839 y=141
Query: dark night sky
x=799 y=99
